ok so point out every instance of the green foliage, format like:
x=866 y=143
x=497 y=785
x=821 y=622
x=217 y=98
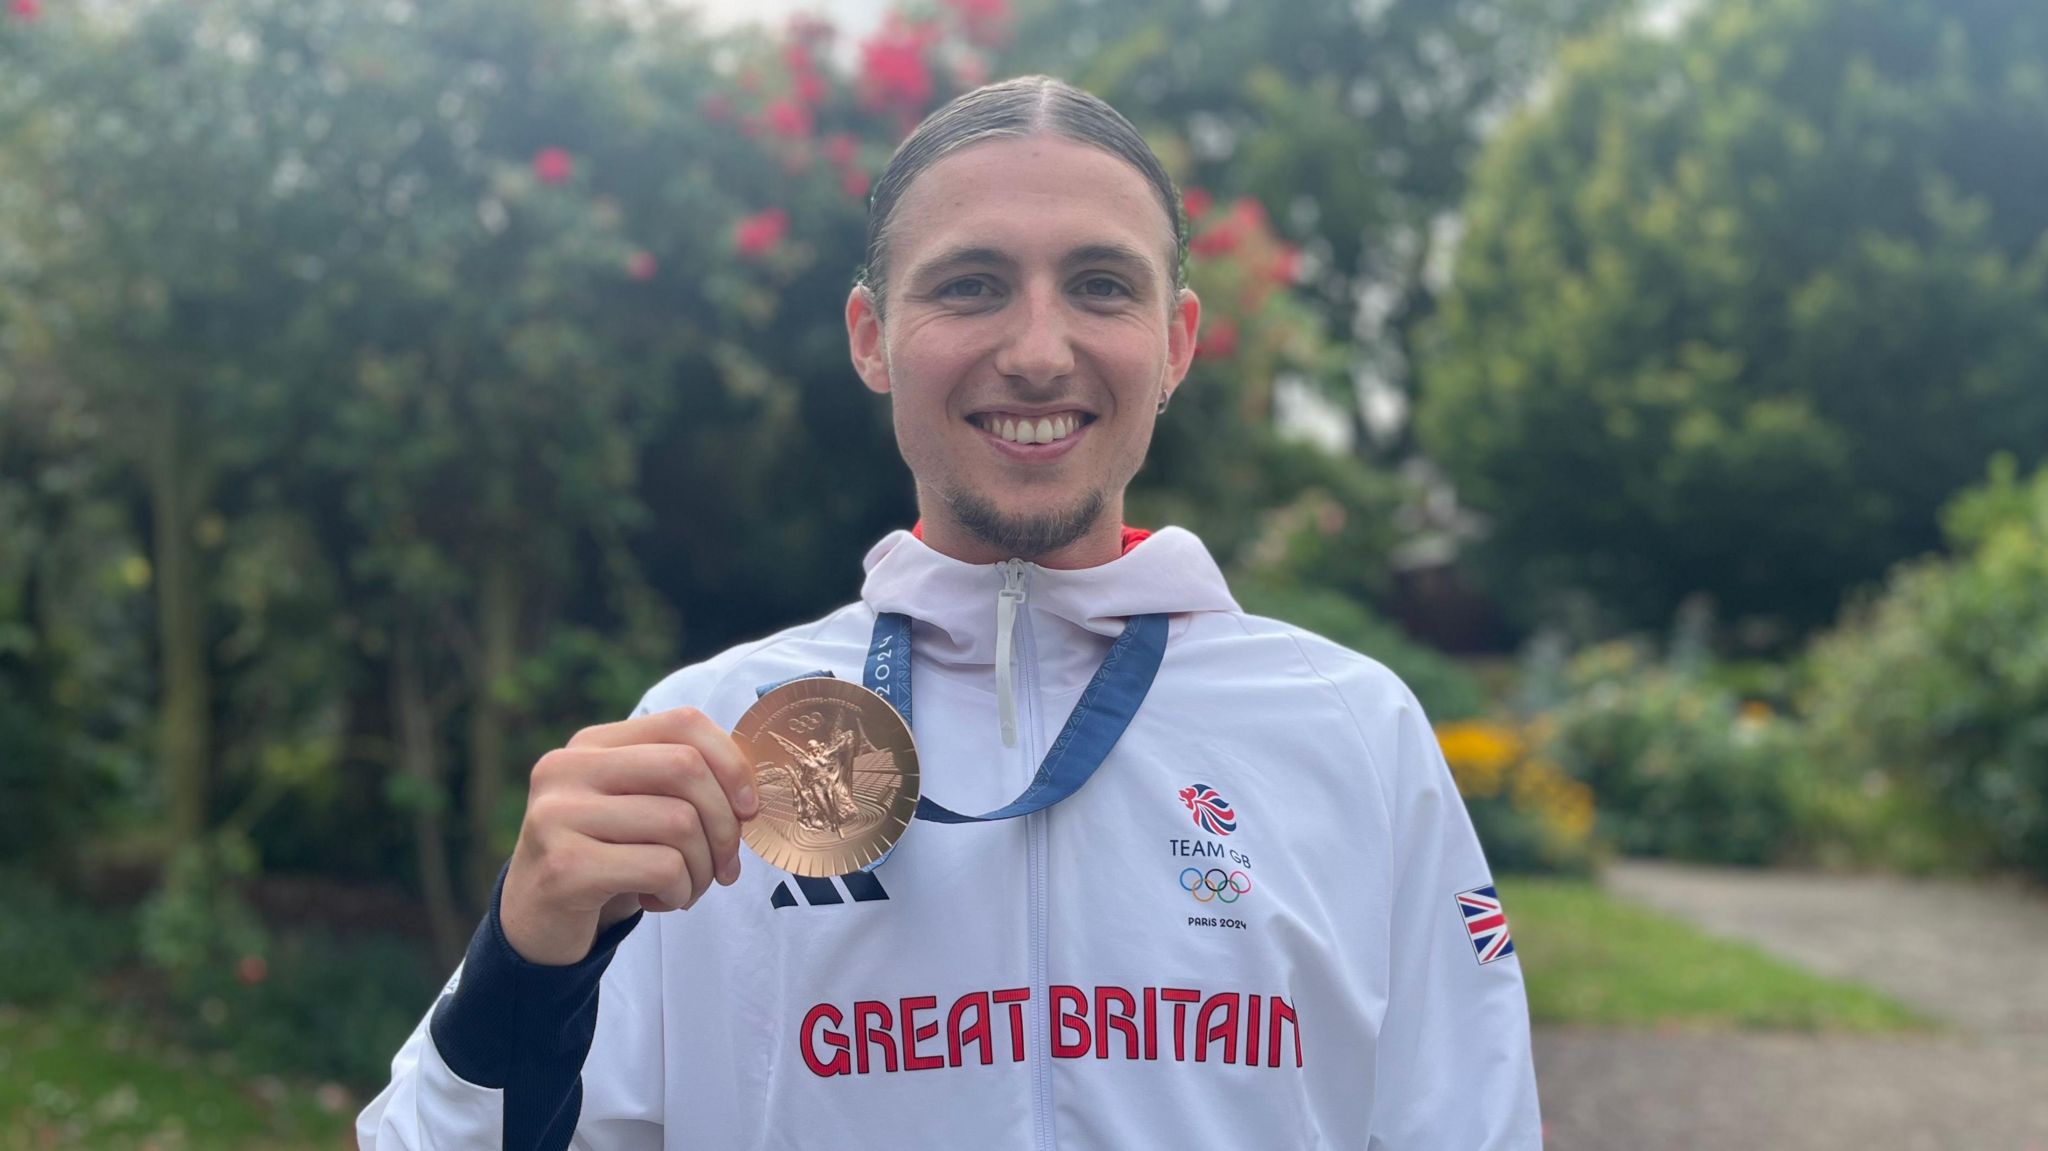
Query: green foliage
x=1735 y=311
x=1930 y=695
x=54 y=949
x=1591 y=960
x=1678 y=766
x=198 y=921
x=316 y=1004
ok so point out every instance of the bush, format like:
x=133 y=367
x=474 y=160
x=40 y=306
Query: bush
x=53 y=948
x=1928 y=705
x=1530 y=815
x=1679 y=767
x=315 y=1004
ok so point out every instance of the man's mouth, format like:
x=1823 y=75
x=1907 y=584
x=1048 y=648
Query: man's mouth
x=1023 y=429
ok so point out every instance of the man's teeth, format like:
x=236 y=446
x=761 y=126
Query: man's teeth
x=1042 y=431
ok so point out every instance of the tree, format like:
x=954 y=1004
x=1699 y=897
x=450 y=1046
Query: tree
x=1735 y=311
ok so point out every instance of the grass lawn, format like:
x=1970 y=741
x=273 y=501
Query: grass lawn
x=71 y=1079
x=1591 y=959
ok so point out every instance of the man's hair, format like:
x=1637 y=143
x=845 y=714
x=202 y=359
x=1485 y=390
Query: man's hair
x=1011 y=109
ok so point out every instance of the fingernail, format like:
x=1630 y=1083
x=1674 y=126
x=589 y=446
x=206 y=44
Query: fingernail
x=747 y=799
x=729 y=871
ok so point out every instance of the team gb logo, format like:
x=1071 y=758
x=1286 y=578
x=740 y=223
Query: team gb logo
x=1212 y=813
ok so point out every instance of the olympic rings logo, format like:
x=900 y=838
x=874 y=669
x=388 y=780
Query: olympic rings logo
x=1215 y=885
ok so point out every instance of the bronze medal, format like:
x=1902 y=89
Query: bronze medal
x=836 y=772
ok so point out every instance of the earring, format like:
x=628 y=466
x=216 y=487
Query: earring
x=1162 y=404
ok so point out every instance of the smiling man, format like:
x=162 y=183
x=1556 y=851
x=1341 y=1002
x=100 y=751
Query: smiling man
x=1224 y=892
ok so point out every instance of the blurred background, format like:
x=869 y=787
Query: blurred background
x=388 y=389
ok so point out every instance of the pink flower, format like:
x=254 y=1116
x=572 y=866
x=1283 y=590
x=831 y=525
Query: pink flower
x=1248 y=212
x=971 y=70
x=1217 y=241
x=641 y=265
x=760 y=233
x=788 y=118
x=810 y=88
x=1286 y=267
x=25 y=10
x=1197 y=202
x=841 y=149
x=553 y=165
x=893 y=73
x=1219 y=342
x=854 y=183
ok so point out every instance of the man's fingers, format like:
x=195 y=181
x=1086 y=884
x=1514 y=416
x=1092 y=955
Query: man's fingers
x=670 y=821
x=690 y=727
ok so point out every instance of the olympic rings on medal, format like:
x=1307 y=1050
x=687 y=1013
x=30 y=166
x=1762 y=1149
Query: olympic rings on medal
x=1215 y=884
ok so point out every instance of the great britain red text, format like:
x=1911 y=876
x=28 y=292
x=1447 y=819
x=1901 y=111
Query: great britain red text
x=1151 y=1023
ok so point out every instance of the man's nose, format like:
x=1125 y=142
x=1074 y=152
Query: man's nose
x=1038 y=348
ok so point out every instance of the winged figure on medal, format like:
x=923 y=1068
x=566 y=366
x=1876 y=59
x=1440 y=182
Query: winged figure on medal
x=822 y=779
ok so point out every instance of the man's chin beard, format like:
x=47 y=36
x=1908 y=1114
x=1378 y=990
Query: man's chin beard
x=1026 y=536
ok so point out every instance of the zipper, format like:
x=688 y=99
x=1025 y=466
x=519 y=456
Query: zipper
x=1008 y=601
x=1038 y=851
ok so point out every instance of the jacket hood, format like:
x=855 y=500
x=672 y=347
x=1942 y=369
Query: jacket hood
x=1169 y=572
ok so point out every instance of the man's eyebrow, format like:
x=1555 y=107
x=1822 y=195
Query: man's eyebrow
x=982 y=256
x=1107 y=254
x=966 y=255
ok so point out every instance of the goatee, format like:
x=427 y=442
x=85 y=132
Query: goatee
x=1024 y=537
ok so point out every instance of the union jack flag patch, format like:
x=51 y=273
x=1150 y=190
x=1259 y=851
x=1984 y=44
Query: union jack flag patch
x=1486 y=924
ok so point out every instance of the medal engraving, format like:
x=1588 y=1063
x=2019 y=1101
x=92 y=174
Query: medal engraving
x=836 y=771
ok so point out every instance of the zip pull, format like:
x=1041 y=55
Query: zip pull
x=1007 y=602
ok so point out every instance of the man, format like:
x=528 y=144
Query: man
x=1264 y=921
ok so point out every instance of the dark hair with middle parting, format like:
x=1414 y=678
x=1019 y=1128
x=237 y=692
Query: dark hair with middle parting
x=1012 y=109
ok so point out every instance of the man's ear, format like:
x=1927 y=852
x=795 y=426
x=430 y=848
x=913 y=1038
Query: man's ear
x=1183 y=322
x=864 y=339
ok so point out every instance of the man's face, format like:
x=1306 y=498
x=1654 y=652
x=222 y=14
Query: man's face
x=1030 y=299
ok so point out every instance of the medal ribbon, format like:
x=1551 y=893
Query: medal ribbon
x=1097 y=722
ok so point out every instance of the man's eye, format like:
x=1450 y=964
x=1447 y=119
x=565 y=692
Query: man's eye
x=1103 y=287
x=963 y=290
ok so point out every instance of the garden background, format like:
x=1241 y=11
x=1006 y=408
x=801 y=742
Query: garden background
x=389 y=389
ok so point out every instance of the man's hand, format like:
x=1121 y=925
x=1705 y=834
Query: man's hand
x=639 y=814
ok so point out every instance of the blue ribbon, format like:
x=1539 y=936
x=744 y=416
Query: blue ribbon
x=1105 y=709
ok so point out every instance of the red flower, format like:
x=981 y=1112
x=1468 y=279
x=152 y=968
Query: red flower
x=1248 y=212
x=788 y=118
x=797 y=57
x=1286 y=267
x=810 y=87
x=1197 y=202
x=842 y=149
x=641 y=265
x=854 y=183
x=251 y=970
x=760 y=233
x=1217 y=241
x=893 y=73
x=25 y=10
x=553 y=165
x=1219 y=342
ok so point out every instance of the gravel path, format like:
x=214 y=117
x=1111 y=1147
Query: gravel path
x=1974 y=957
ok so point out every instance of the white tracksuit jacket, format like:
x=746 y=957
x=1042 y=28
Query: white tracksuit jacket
x=1049 y=981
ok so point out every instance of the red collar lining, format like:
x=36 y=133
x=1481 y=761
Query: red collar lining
x=1132 y=536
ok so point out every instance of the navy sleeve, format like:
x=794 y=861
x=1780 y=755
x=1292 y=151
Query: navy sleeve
x=525 y=1028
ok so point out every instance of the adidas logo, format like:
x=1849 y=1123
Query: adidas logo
x=861 y=886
